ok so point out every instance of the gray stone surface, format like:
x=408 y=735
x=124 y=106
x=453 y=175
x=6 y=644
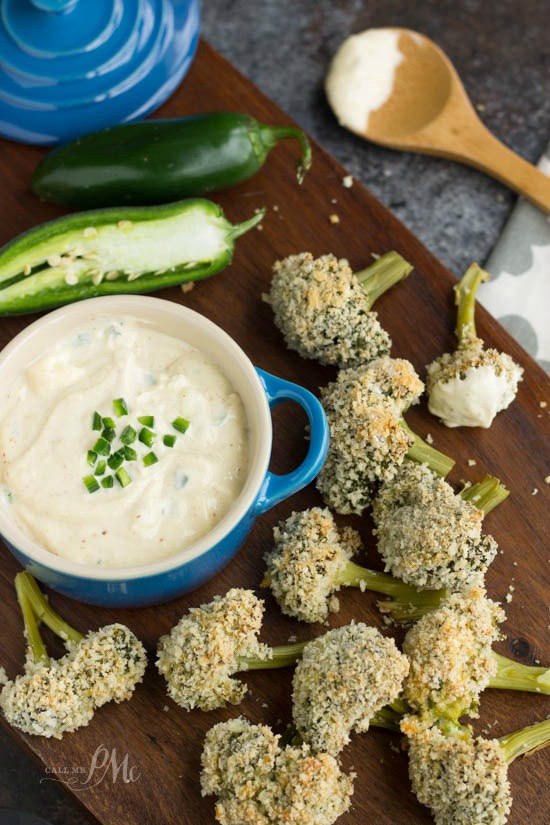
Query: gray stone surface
x=501 y=50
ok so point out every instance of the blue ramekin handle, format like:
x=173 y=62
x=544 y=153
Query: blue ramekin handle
x=276 y=487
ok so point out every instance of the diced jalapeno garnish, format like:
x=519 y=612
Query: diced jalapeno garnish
x=120 y=407
x=128 y=435
x=90 y=482
x=122 y=477
x=181 y=424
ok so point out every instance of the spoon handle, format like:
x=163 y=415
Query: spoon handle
x=482 y=150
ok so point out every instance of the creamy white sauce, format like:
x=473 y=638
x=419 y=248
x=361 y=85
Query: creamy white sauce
x=46 y=431
x=361 y=76
x=474 y=400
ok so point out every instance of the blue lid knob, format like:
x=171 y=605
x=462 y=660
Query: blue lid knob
x=68 y=67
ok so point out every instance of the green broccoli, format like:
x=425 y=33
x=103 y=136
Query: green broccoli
x=324 y=310
x=462 y=779
x=430 y=537
x=54 y=697
x=260 y=782
x=452 y=661
x=369 y=439
x=467 y=388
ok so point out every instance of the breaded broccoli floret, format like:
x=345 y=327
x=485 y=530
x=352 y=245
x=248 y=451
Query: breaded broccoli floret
x=368 y=438
x=202 y=652
x=305 y=567
x=258 y=782
x=468 y=387
x=450 y=655
x=462 y=779
x=452 y=660
x=342 y=680
x=430 y=537
x=312 y=559
x=324 y=310
x=58 y=696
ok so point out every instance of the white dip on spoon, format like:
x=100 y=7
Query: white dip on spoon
x=361 y=76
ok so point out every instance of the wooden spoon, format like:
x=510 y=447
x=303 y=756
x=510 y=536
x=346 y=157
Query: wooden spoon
x=428 y=111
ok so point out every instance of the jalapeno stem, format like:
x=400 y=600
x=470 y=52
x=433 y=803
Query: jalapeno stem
x=271 y=135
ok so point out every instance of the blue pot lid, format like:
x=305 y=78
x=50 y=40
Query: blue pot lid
x=68 y=67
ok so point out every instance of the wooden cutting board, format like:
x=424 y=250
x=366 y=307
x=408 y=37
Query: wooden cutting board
x=163 y=742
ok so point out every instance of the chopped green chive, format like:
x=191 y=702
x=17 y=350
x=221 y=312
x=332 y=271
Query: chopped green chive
x=147 y=420
x=115 y=460
x=109 y=423
x=91 y=457
x=147 y=437
x=101 y=467
x=97 y=422
x=109 y=433
x=129 y=453
x=149 y=459
x=122 y=477
x=120 y=407
x=91 y=484
x=181 y=424
x=128 y=435
x=102 y=447
x=108 y=481
x=169 y=440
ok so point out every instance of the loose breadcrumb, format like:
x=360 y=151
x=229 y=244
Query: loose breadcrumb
x=342 y=679
x=323 y=312
x=427 y=535
x=204 y=649
x=57 y=698
x=450 y=655
x=368 y=443
x=302 y=569
x=258 y=782
x=334 y=218
x=462 y=781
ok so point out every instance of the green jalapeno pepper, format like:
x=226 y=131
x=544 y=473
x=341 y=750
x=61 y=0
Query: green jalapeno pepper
x=156 y=161
x=109 y=251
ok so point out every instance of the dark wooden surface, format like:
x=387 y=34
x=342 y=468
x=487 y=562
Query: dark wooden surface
x=163 y=741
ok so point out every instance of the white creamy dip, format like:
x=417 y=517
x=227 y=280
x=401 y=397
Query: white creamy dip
x=361 y=76
x=472 y=401
x=46 y=431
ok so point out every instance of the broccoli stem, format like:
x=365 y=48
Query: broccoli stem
x=44 y=611
x=526 y=740
x=382 y=274
x=386 y=718
x=486 y=494
x=465 y=299
x=423 y=453
x=513 y=675
x=283 y=656
x=409 y=603
x=32 y=634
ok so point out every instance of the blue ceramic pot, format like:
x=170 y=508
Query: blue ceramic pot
x=68 y=67
x=167 y=578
